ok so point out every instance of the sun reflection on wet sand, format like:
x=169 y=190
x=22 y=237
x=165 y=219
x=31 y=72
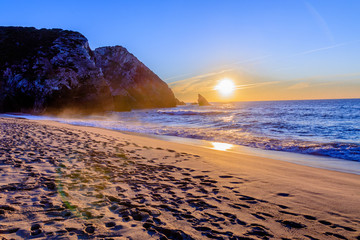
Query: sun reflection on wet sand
x=221 y=146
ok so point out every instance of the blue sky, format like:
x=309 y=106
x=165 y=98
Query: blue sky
x=274 y=40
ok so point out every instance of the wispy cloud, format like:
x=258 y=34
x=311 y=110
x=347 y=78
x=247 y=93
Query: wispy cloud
x=253 y=85
x=210 y=74
x=320 y=21
x=205 y=84
x=328 y=77
x=300 y=85
x=224 y=68
x=322 y=49
x=251 y=60
x=323 y=80
x=179 y=76
x=198 y=76
x=232 y=66
x=312 y=83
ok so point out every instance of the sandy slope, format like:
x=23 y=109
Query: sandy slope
x=60 y=181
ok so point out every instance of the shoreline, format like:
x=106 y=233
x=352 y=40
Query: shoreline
x=322 y=162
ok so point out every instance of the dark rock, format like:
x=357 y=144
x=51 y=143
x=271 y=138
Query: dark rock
x=202 y=101
x=50 y=70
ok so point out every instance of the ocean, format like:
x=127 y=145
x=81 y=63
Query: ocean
x=329 y=128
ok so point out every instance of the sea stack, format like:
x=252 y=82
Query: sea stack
x=202 y=101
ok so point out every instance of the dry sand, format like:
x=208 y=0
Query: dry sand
x=60 y=181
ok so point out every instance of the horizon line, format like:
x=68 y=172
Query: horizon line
x=278 y=100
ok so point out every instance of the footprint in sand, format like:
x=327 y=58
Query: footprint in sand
x=283 y=194
x=291 y=224
x=289 y=213
x=225 y=176
x=335 y=235
x=309 y=217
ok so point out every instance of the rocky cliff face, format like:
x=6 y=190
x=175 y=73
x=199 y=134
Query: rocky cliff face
x=50 y=70
x=131 y=83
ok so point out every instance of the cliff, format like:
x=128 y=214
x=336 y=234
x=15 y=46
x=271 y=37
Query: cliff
x=49 y=70
x=131 y=83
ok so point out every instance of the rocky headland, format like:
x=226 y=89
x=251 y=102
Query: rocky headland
x=53 y=70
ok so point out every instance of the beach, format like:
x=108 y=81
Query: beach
x=67 y=182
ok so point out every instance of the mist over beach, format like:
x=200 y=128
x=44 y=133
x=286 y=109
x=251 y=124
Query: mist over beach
x=179 y=120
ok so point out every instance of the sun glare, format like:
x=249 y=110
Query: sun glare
x=221 y=146
x=225 y=87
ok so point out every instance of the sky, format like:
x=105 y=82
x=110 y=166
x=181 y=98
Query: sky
x=272 y=50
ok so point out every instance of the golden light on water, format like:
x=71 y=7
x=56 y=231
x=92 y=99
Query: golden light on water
x=221 y=146
x=225 y=87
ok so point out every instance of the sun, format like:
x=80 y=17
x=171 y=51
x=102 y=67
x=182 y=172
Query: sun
x=225 y=87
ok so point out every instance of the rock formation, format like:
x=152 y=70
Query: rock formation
x=49 y=70
x=131 y=83
x=178 y=102
x=202 y=101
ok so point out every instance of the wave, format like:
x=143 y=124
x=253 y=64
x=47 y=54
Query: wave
x=325 y=128
x=346 y=151
x=190 y=112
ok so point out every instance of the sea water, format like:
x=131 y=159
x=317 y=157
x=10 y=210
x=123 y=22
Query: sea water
x=328 y=128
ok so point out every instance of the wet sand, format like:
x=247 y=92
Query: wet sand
x=68 y=182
